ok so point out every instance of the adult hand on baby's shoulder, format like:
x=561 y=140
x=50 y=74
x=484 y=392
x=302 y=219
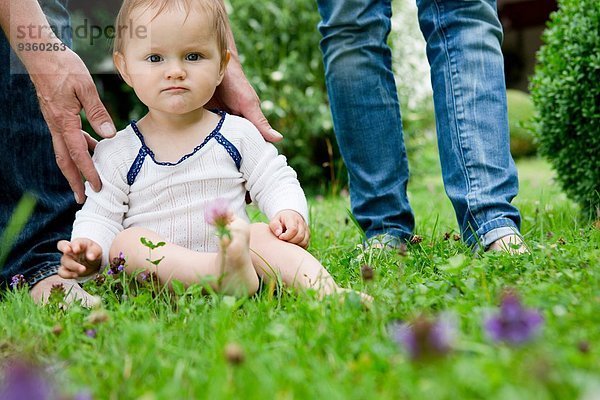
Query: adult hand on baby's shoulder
x=81 y=257
x=290 y=226
x=64 y=87
x=237 y=96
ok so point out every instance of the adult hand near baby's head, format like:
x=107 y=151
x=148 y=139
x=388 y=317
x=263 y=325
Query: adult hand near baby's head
x=64 y=87
x=236 y=96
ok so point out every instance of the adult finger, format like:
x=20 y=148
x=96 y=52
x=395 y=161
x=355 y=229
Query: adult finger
x=254 y=114
x=94 y=109
x=91 y=142
x=77 y=146
x=68 y=167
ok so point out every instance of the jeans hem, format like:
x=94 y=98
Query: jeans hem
x=42 y=274
x=491 y=231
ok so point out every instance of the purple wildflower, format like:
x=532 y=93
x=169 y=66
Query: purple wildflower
x=117 y=265
x=217 y=213
x=513 y=324
x=85 y=395
x=18 y=281
x=91 y=333
x=147 y=277
x=23 y=380
x=143 y=276
x=425 y=338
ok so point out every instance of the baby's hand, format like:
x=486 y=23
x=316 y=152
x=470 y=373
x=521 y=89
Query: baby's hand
x=81 y=257
x=288 y=225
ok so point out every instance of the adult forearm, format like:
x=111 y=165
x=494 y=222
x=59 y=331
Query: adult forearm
x=64 y=87
x=25 y=25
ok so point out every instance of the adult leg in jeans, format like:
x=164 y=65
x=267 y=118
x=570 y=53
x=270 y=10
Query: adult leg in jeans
x=366 y=113
x=463 y=48
x=28 y=166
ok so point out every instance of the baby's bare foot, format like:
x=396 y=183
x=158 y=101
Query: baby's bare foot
x=512 y=244
x=238 y=274
x=40 y=292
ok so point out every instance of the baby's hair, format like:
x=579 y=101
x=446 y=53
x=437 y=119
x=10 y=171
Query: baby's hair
x=212 y=8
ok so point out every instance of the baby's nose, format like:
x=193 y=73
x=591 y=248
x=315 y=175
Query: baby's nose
x=175 y=71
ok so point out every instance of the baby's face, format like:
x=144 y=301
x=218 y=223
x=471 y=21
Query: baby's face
x=175 y=67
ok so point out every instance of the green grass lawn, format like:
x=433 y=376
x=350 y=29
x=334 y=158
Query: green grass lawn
x=295 y=346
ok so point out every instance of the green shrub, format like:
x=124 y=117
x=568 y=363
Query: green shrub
x=278 y=45
x=520 y=114
x=566 y=92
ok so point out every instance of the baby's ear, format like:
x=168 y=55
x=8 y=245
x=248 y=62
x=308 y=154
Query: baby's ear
x=121 y=66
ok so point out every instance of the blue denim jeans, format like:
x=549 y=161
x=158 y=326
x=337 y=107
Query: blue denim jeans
x=463 y=48
x=28 y=165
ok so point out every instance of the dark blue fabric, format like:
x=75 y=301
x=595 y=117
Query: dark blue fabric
x=28 y=164
x=136 y=167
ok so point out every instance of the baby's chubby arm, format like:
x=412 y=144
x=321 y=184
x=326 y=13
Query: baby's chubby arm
x=81 y=257
x=290 y=226
x=101 y=218
x=273 y=185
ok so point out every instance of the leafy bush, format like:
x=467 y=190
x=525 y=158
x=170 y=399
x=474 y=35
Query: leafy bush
x=278 y=45
x=520 y=114
x=566 y=92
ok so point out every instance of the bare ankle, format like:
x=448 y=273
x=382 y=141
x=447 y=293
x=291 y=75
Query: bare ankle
x=511 y=244
x=40 y=292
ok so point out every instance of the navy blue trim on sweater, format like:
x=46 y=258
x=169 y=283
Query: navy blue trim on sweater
x=136 y=167
x=145 y=150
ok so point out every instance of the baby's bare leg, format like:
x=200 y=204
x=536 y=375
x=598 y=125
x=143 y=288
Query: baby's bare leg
x=188 y=266
x=297 y=267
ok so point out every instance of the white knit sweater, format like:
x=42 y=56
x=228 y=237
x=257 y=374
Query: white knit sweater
x=170 y=199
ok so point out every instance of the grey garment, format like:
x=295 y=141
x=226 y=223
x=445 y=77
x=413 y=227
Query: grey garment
x=28 y=164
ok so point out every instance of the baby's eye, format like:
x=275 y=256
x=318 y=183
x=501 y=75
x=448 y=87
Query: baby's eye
x=193 y=57
x=154 y=58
